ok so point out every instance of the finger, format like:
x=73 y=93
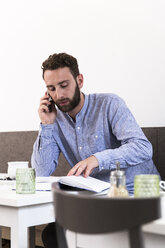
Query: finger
x=80 y=169
x=45 y=102
x=72 y=171
x=43 y=108
x=87 y=172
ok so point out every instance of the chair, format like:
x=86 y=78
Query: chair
x=93 y=214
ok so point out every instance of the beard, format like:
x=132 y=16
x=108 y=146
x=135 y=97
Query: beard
x=72 y=103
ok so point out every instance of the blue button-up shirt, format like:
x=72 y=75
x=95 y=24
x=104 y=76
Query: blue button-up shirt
x=104 y=128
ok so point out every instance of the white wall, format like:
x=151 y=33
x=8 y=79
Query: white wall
x=120 y=46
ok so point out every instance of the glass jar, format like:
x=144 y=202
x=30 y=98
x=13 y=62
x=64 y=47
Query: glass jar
x=118 y=184
x=146 y=186
x=25 y=180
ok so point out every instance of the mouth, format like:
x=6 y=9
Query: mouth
x=63 y=102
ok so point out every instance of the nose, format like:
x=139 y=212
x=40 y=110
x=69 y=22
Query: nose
x=59 y=93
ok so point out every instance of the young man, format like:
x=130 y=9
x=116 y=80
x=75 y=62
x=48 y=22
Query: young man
x=93 y=131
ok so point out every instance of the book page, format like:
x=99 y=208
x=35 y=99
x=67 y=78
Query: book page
x=88 y=183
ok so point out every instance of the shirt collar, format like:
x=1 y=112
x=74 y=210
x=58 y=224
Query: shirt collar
x=84 y=108
x=79 y=115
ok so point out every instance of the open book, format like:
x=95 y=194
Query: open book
x=89 y=183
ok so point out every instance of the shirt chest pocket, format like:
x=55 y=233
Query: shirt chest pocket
x=96 y=142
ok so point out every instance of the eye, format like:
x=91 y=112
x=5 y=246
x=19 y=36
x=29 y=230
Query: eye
x=51 y=88
x=64 y=85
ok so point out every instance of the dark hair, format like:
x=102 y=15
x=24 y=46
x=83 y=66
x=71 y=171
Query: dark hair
x=61 y=60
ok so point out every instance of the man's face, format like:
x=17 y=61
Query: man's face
x=63 y=88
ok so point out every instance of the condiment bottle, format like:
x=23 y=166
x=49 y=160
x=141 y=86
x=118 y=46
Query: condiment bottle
x=117 y=181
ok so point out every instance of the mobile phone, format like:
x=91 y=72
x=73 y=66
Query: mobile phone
x=52 y=103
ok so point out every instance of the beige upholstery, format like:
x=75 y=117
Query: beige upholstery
x=18 y=146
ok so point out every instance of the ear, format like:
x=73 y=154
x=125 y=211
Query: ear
x=80 y=80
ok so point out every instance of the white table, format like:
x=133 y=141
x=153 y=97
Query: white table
x=21 y=211
x=154 y=232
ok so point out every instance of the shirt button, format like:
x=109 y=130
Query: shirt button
x=80 y=147
x=78 y=128
x=96 y=136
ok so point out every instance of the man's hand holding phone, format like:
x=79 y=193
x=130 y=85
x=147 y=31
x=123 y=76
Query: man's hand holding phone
x=47 y=111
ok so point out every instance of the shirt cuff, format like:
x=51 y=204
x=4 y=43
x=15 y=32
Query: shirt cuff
x=46 y=130
x=106 y=162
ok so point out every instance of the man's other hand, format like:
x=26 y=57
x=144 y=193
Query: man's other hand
x=84 y=167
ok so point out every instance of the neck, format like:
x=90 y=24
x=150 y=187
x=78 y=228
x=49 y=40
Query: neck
x=77 y=109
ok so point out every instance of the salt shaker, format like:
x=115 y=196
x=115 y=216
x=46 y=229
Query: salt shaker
x=117 y=181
